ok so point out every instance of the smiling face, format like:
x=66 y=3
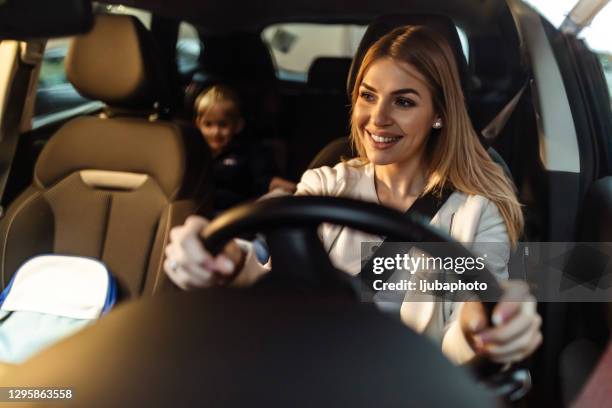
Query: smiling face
x=219 y=126
x=394 y=113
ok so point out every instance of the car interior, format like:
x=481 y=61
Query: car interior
x=111 y=180
x=122 y=168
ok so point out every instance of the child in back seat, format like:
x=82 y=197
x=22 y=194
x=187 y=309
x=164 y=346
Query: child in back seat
x=241 y=171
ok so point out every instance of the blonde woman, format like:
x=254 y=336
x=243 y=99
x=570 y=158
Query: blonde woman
x=413 y=136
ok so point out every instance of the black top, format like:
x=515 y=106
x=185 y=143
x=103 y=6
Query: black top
x=241 y=172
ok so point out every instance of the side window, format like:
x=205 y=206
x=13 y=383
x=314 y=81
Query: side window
x=54 y=93
x=605 y=59
x=188 y=48
x=142 y=15
x=295 y=46
x=465 y=44
x=597 y=36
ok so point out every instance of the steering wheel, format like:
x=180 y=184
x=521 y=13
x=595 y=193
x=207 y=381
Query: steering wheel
x=290 y=226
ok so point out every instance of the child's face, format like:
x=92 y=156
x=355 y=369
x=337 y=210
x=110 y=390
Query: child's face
x=218 y=126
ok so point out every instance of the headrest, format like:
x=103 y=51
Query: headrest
x=116 y=63
x=385 y=24
x=239 y=56
x=329 y=73
x=119 y=145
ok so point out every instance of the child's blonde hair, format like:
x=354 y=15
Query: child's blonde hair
x=215 y=94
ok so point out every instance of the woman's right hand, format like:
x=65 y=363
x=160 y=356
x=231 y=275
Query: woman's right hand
x=190 y=266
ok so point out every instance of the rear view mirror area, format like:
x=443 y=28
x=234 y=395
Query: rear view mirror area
x=26 y=19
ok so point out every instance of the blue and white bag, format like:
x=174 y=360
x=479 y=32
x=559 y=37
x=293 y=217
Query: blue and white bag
x=49 y=298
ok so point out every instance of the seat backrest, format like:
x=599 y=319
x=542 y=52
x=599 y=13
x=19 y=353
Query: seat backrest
x=242 y=61
x=105 y=187
x=329 y=74
x=322 y=112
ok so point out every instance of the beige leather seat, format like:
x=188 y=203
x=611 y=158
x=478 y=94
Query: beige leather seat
x=110 y=187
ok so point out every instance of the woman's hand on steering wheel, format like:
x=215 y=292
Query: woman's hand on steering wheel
x=515 y=333
x=190 y=266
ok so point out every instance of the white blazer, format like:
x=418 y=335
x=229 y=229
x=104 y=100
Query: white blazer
x=467 y=218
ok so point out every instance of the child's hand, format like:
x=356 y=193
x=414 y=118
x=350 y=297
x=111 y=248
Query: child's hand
x=283 y=184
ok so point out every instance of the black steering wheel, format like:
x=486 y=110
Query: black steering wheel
x=290 y=226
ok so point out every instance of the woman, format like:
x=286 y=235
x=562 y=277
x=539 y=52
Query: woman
x=413 y=136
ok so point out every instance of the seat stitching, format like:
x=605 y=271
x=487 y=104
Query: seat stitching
x=8 y=229
x=164 y=242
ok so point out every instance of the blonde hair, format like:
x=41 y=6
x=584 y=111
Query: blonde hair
x=215 y=94
x=454 y=154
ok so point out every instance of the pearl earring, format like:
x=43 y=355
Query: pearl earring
x=437 y=124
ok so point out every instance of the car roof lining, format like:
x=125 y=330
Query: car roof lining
x=473 y=16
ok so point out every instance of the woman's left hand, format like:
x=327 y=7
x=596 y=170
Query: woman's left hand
x=515 y=333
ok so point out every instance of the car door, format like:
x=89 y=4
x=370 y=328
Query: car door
x=587 y=324
x=578 y=332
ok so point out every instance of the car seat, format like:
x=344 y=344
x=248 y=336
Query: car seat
x=242 y=61
x=322 y=112
x=110 y=187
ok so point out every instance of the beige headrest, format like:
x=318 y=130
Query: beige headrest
x=116 y=63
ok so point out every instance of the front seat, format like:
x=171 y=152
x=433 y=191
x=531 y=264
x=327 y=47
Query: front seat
x=109 y=187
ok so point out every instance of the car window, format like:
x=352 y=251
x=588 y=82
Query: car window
x=142 y=15
x=597 y=36
x=188 y=47
x=295 y=46
x=606 y=64
x=54 y=93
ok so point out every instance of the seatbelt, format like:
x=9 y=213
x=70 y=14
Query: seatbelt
x=425 y=206
x=494 y=128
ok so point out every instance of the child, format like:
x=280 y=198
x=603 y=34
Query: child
x=241 y=172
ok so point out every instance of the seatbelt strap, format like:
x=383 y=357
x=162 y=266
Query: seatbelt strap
x=425 y=206
x=494 y=128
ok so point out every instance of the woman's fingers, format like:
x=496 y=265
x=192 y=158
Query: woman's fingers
x=190 y=265
x=473 y=318
x=187 y=263
x=515 y=333
x=515 y=294
x=519 y=348
x=508 y=330
x=188 y=237
x=182 y=278
x=180 y=256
